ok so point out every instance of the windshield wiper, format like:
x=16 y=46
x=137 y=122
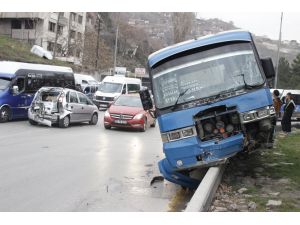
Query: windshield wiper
x=248 y=86
x=180 y=95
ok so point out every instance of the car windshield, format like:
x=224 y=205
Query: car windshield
x=130 y=101
x=93 y=82
x=204 y=74
x=4 y=83
x=108 y=87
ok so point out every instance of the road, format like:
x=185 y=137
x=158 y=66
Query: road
x=81 y=168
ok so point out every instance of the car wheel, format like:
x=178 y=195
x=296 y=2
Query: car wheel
x=107 y=127
x=64 y=122
x=32 y=122
x=4 y=114
x=94 y=119
x=154 y=123
x=144 y=126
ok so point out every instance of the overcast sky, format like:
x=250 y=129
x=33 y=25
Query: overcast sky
x=262 y=23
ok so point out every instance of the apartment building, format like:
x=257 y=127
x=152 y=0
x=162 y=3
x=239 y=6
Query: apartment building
x=45 y=28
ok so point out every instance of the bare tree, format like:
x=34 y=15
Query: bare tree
x=182 y=25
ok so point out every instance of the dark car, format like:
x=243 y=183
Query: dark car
x=127 y=111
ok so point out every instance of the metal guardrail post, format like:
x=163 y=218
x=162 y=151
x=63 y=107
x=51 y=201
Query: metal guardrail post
x=204 y=194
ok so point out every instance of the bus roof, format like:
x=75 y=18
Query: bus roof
x=8 y=68
x=234 y=35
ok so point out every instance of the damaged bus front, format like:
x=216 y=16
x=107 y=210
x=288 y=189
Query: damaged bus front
x=212 y=101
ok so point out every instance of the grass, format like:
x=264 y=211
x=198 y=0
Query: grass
x=14 y=50
x=282 y=162
x=290 y=147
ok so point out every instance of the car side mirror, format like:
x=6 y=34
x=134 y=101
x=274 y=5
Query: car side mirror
x=146 y=99
x=124 y=91
x=268 y=67
x=15 y=90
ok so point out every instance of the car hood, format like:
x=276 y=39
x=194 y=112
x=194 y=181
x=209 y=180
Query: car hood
x=125 y=110
x=99 y=93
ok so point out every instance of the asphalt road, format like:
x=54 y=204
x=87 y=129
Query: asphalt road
x=81 y=168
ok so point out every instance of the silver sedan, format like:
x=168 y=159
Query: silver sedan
x=62 y=106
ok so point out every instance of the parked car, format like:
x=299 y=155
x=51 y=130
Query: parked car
x=62 y=106
x=127 y=111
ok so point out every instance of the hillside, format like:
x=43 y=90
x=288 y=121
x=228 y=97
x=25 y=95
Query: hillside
x=14 y=50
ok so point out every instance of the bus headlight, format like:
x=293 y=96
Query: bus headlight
x=178 y=134
x=257 y=114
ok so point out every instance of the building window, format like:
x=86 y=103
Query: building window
x=72 y=34
x=16 y=24
x=50 y=46
x=29 y=24
x=60 y=29
x=79 y=19
x=79 y=36
x=51 y=27
x=73 y=17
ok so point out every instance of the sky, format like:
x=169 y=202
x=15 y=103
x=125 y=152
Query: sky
x=262 y=23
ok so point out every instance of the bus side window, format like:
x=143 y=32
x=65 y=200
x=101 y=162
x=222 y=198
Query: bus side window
x=21 y=84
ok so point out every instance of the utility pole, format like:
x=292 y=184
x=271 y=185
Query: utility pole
x=116 y=46
x=116 y=49
x=278 y=51
x=98 y=36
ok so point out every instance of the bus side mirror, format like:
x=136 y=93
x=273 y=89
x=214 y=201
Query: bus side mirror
x=15 y=90
x=268 y=67
x=146 y=99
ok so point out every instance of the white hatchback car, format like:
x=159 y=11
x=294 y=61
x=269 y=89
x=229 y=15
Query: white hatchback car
x=62 y=106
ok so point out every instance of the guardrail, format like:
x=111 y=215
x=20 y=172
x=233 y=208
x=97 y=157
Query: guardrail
x=204 y=194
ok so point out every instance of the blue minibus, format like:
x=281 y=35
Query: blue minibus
x=20 y=81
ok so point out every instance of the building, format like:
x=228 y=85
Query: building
x=44 y=28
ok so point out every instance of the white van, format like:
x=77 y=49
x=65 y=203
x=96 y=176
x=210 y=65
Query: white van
x=84 y=80
x=112 y=87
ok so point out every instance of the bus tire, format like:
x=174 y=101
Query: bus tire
x=5 y=114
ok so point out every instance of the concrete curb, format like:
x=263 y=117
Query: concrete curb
x=204 y=194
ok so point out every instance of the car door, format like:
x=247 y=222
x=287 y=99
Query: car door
x=86 y=109
x=74 y=106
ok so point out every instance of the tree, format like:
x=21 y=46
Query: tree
x=182 y=25
x=295 y=73
x=284 y=73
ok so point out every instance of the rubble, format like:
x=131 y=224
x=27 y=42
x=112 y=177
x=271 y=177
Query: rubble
x=274 y=203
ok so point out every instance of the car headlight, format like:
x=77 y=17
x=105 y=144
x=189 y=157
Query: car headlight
x=178 y=134
x=138 y=116
x=106 y=114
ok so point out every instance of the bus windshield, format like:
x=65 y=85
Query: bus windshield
x=4 y=83
x=204 y=74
